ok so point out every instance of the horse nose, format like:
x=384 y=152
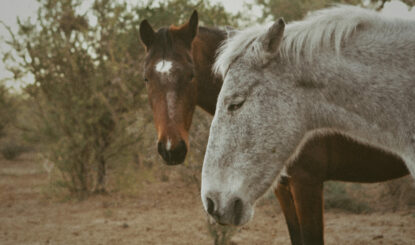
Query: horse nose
x=230 y=214
x=172 y=155
x=237 y=206
x=210 y=206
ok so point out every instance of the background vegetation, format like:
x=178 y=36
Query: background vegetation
x=87 y=110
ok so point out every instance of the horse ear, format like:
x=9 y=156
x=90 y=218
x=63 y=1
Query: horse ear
x=274 y=36
x=147 y=34
x=193 y=25
x=230 y=31
x=188 y=31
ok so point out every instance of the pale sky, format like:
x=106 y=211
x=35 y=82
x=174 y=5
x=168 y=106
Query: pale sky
x=11 y=9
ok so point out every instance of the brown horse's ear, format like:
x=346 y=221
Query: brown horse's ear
x=274 y=35
x=188 y=31
x=147 y=34
x=193 y=25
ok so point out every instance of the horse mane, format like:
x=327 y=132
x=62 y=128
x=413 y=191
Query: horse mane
x=327 y=28
x=212 y=30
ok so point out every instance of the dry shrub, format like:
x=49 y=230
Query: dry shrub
x=393 y=195
x=400 y=192
x=336 y=196
x=11 y=150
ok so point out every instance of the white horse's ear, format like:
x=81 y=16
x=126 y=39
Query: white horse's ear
x=274 y=35
x=230 y=31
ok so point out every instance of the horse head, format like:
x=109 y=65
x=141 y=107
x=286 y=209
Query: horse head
x=171 y=87
x=243 y=155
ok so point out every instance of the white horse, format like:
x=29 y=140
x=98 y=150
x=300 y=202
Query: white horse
x=295 y=96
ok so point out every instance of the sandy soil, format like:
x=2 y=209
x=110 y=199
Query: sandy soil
x=162 y=213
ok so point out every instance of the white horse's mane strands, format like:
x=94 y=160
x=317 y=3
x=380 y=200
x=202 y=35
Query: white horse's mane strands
x=235 y=46
x=326 y=28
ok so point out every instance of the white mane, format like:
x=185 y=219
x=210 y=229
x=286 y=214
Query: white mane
x=326 y=28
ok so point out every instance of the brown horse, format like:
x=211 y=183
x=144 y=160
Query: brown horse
x=178 y=77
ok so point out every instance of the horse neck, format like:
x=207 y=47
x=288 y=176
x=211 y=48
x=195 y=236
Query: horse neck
x=203 y=51
x=348 y=93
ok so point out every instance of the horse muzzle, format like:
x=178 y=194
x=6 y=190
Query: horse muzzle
x=172 y=155
x=227 y=212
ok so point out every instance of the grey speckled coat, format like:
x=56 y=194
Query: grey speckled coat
x=341 y=69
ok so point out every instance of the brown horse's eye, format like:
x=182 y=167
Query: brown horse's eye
x=234 y=107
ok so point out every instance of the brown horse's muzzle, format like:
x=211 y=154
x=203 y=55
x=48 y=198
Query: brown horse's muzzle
x=172 y=155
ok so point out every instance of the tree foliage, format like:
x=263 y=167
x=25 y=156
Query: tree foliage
x=7 y=109
x=168 y=12
x=297 y=9
x=85 y=87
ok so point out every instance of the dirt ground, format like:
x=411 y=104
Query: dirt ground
x=167 y=212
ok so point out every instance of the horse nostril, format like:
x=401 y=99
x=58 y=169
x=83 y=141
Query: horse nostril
x=237 y=210
x=161 y=149
x=210 y=206
x=178 y=153
x=163 y=152
x=182 y=148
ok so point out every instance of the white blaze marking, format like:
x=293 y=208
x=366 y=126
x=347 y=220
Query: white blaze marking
x=171 y=101
x=164 y=66
x=168 y=145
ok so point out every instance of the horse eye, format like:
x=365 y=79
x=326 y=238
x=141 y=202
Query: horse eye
x=234 y=107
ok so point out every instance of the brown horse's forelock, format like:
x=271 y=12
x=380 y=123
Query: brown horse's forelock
x=162 y=46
